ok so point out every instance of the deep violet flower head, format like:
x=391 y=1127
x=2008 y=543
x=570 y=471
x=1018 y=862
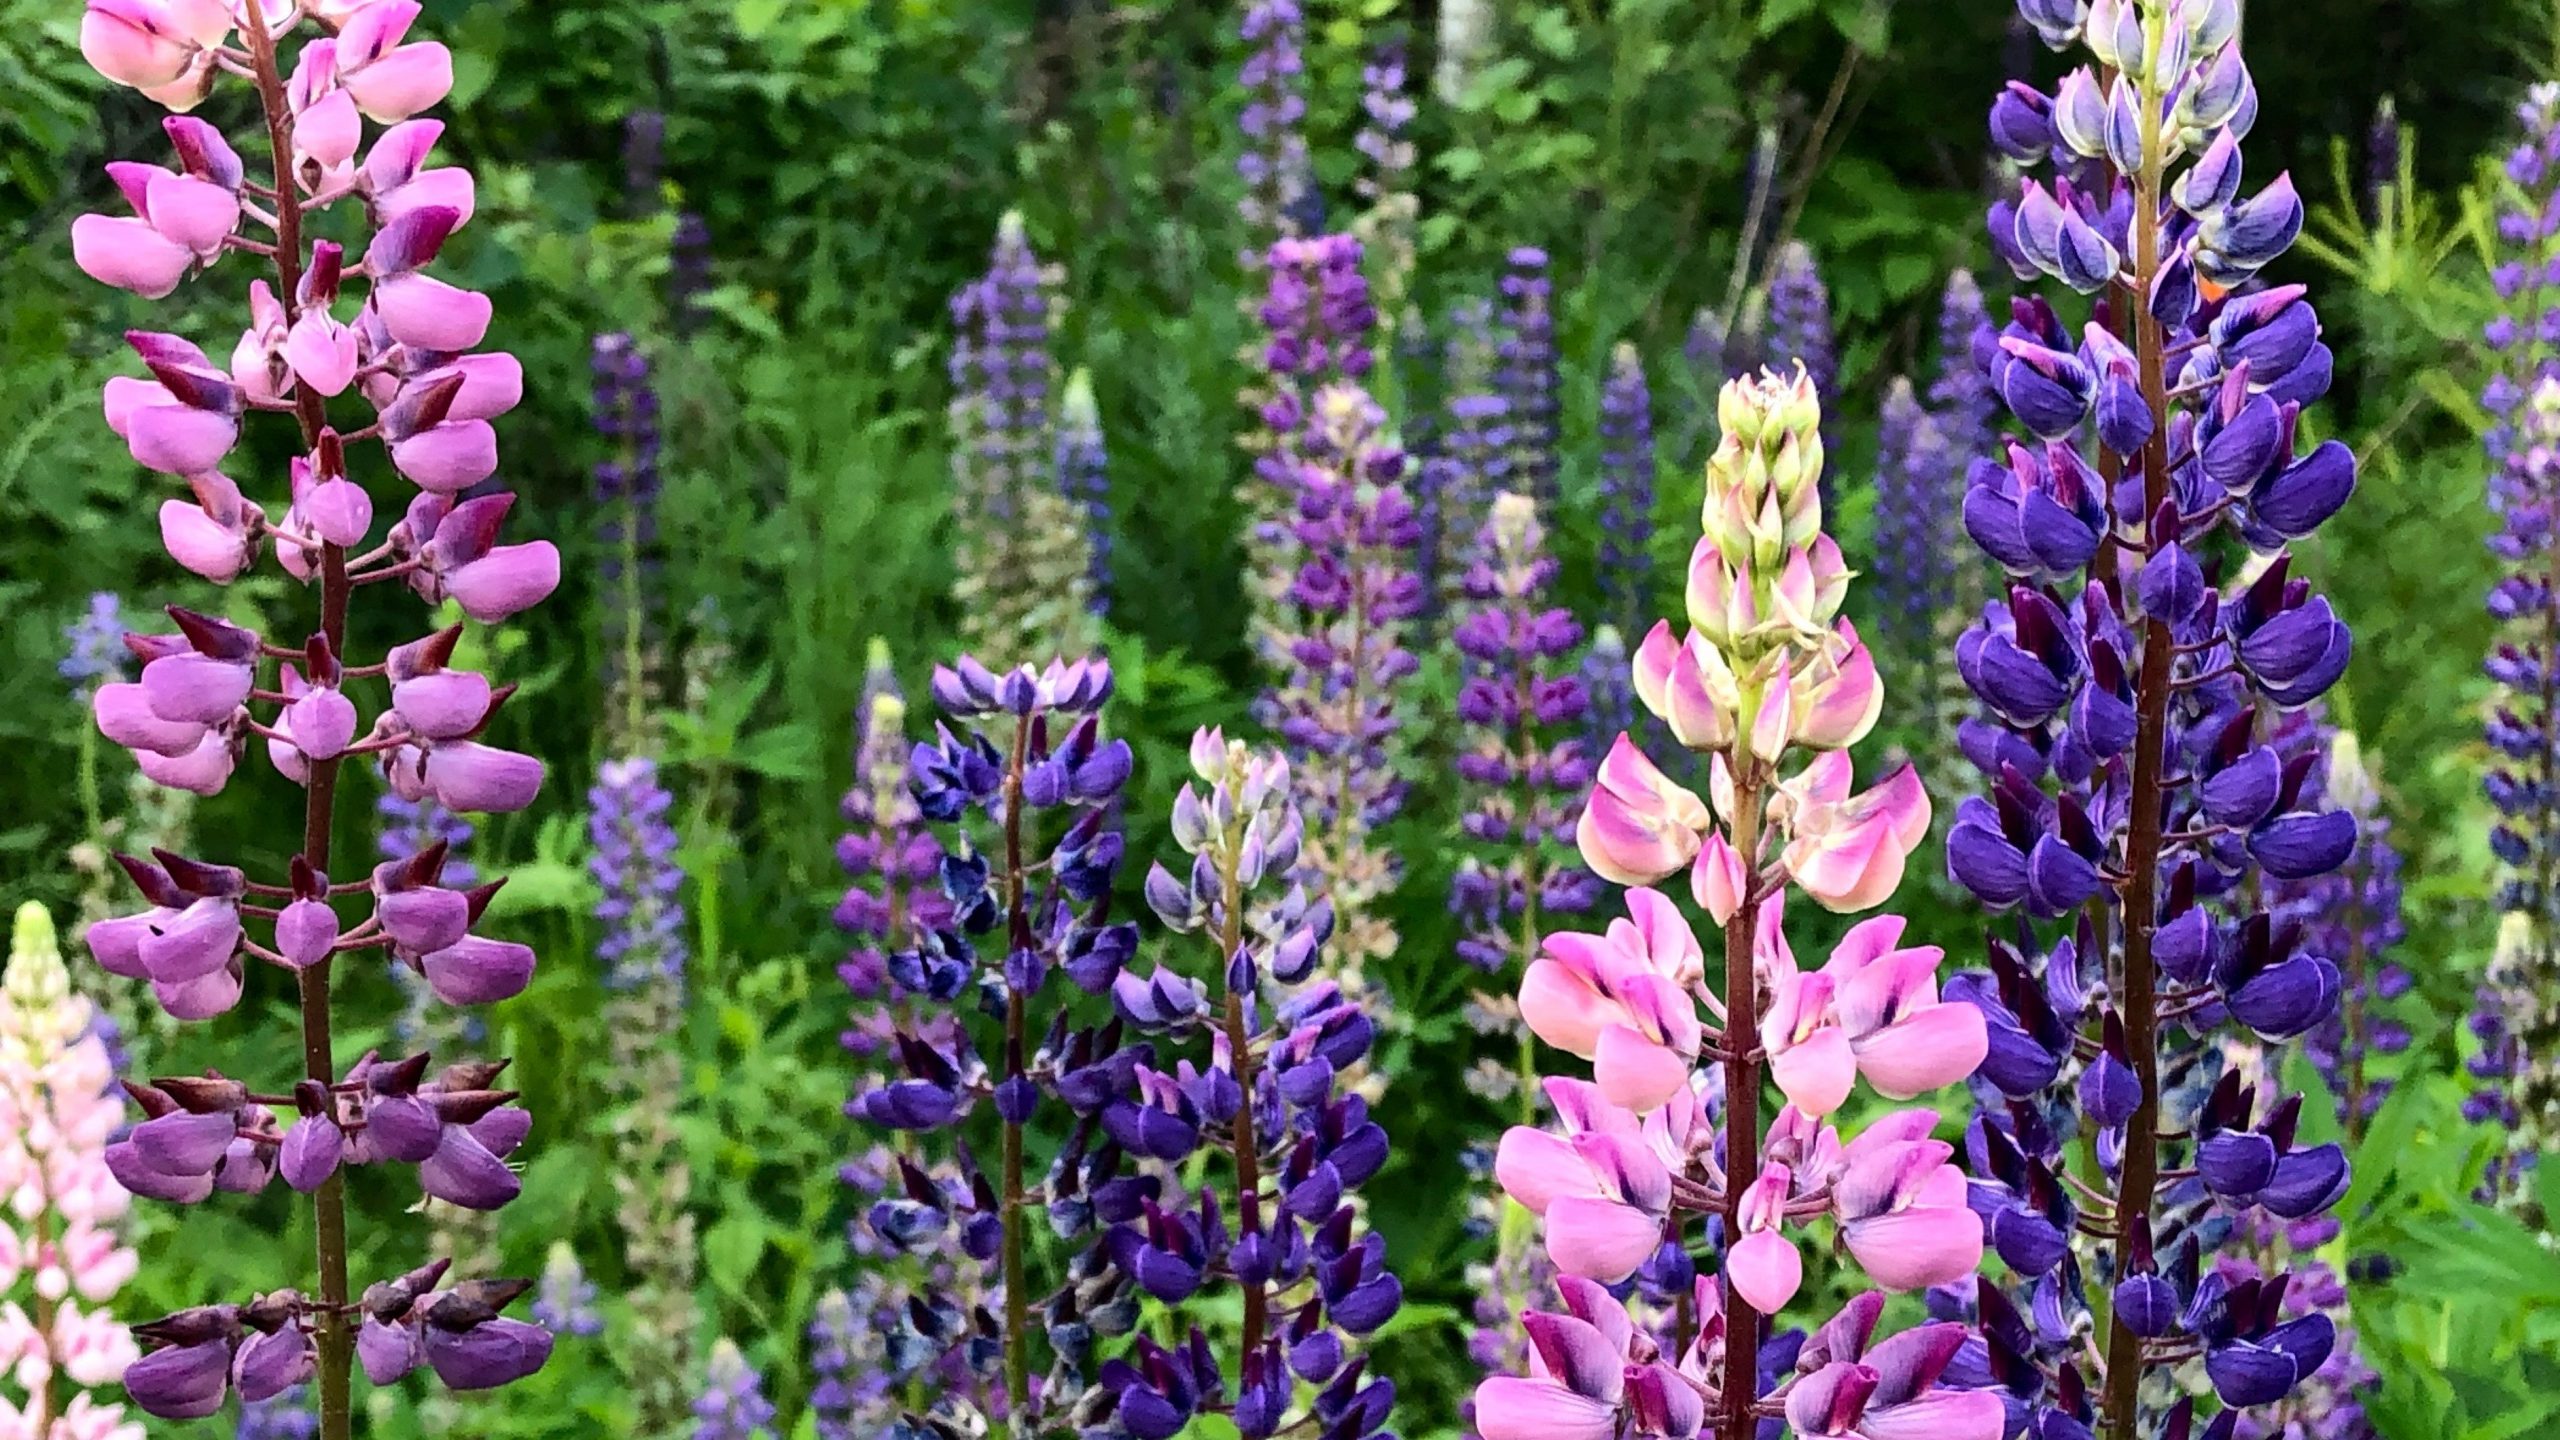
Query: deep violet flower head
x=1252 y=1053
x=1279 y=180
x=2351 y=915
x=2142 y=812
x=1626 y=489
x=1024 y=787
x=1919 y=485
x=1798 y=328
x=1961 y=397
x=397 y=368
x=891 y=864
x=1084 y=476
x=1337 y=709
x=1316 y=327
x=1525 y=372
x=1024 y=565
x=1639 y=1157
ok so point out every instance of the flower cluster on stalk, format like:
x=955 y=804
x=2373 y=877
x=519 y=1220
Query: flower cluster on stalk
x=2139 y=802
x=1337 y=708
x=1317 y=327
x=1028 y=894
x=627 y=483
x=210 y=686
x=1525 y=372
x=2518 y=1015
x=1279 y=179
x=62 y=1260
x=1385 y=226
x=1772 y=687
x=1024 y=561
x=1470 y=459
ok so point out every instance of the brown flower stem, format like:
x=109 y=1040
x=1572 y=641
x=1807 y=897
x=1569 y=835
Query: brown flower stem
x=1741 y=1389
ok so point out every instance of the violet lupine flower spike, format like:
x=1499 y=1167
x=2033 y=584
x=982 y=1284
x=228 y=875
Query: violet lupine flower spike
x=210 y=686
x=1024 y=561
x=1521 y=765
x=627 y=484
x=1798 y=327
x=1030 y=758
x=1316 y=322
x=2351 y=915
x=2518 y=1014
x=2134 y=796
x=1084 y=477
x=1918 y=486
x=1626 y=489
x=1471 y=460
x=731 y=1404
x=1385 y=226
x=62 y=1260
x=1279 y=180
x=1286 y=1148
x=1525 y=373
x=1337 y=711
x=1669 y=1130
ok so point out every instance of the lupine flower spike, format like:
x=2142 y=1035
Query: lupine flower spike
x=1240 y=1111
x=1771 y=685
x=1317 y=327
x=1385 y=226
x=2137 y=802
x=342 y=122
x=62 y=1260
x=1027 y=915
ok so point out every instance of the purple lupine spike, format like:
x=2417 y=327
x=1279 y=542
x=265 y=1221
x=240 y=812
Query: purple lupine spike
x=1525 y=371
x=627 y=483
x=1336 y=710
x=1020 y=764
x=1317 y=330
x=1084 y=474
x=1961 y=398
x=689 y=274
x=1391 y=210
x=731 y=1404
x=1799 y=320
x=1471 y=456
x=640 y=906
x=2132 y=765
x=1626 y=488
x=1279 y=180
x=1919 y=485
x=2351 y=915
x=566 y=1302
x=1024 y=565
x=323 y=356
x=1267 y=1087
x=890 y=862
x=2514 y=1016
x=287 y=1415
x=94 y=646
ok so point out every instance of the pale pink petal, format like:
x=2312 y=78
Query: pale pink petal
x=1561 y=1008
x=125 y=716
x=197 y=214
x=1603 y=1240
x=1915 y=1249
x=322 y=352
x=1939 y=1415
x=1765 y=1270
x=201 y=543
x=127 y=253
x=1511 y=1408
x=1669 y=943
x=1718 y=880
x=1817 y=1073
x=125 y=41
x=445 y=705
x=1636 y=1072
x=1924 y=1050
x=425 y=313
x=449 y=458
x=1628 y=846
x=1536 y=1168
x=508 y=579
x=179 y=439
x=402 y=83
x=466 y=775
x=328 y=130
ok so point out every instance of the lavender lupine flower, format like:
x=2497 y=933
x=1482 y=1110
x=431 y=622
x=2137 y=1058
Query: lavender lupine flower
x=689 y=266
x=1471 y=456
x=1279 y=181
x=1084 y=474
x=1638 y=1156
x=850 y=1384
x=1962 y=399
x=1260 y=1098
x=1024 y=564
x=1337 y=710
x=566 y=1302
x=405 y=354
x=890 y=863
x=1525 y=372
x=1386 y=226
x=1626 y=489
x=1608 y=686
x=627 y=483
x=2137 y=805
x=2519 y=1010
x=1317 y=323
x=288 y=1416
x=1028 y=758
x=644 y=950
x=2351 y=915
x=1919 y=485
x=93 y=647
x=731 y=1404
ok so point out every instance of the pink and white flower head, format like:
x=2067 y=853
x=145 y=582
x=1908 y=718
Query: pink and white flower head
x=1603 y=1191
x=1689 y=686
x=1872 y=1011
x=1847 y=851
x=1638 y=826
x=1622 y=1000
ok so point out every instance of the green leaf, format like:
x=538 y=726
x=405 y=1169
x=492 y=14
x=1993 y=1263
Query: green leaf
x=731 y=1248
x=755 y=17
x=1777 y=15
x=1552 y=30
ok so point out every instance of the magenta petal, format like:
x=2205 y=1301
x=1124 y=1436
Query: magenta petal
x=508 y=579
x=201 y=771
x=193 y=944
x=425 y=313
x=448 y=188
x=428 y=918
x=492 y=385
x=488 y=1355
x=195 y=689
x=339 y=512
x=125 y=717
x=127 y=253
x=1817 y=1073
x=311 y=1151
x=305 y=932
x=179 y=439
x=479 y=972
x=203 y=999
x=463 y=1172
x=322 y=724
x=466 y=775
x=1601 y=1240
x=1509 y=1407
x=449 y=458
x=446 y=705
x=197 y=214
